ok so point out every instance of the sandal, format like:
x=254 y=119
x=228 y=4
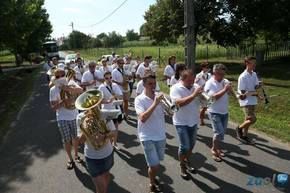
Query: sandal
x=215 y=156
x=78 y=159
x=70 y=165
x=222 y=154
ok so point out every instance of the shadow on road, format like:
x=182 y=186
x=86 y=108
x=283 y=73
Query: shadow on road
x=28 y=137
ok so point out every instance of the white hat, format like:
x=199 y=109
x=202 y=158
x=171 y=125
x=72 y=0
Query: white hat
x=61 y=66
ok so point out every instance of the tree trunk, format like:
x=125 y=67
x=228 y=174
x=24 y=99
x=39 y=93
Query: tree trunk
x=18 y=59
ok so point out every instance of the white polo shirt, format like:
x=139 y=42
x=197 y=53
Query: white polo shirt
x=107 y=94
x=140 y=87
x=173 y=80
x=89 y=77
x=141 y=70
x=248 y=82
x=168 y=71
x=188 y=114
x=202 y=77
x=154 y=127
x=118 y=77
x=220 y=106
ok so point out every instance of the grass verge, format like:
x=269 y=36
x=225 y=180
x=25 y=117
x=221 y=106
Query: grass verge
x=16 y=87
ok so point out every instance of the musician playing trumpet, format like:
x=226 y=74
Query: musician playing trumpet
x=219 y=89
x=248 y=82
x=151 y=128
x=92 y=78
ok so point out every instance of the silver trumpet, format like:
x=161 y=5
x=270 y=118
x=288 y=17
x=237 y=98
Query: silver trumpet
x=170 y=108
x=206 y=100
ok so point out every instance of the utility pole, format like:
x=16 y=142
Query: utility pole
x=72 y=26
x=189 y=34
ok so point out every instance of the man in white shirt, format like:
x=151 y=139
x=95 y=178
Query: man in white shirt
x=111 y=92
x=151 y=128
x=118 y=75
x=169 y=70
x=186 y=119
x=66 y=118
x=140 y=73
x=92 y=78
x=201 y=79
x=79 y=69
x=105 y=67
x=219 y=89
x=248 y=82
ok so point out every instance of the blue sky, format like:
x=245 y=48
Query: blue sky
x=85 y=13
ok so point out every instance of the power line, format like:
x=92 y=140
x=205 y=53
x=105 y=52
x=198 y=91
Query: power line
x=109 y=15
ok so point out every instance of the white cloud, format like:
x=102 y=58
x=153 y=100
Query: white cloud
x=71 y=10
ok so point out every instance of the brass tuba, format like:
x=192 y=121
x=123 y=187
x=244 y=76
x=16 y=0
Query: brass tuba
x=91 y=124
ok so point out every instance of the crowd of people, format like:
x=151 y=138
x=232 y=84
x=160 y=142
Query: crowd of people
x=116 y=77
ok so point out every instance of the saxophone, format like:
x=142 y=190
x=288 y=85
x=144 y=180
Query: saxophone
x=91 y=124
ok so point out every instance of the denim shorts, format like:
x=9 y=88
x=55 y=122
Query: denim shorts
x=97 y=167
x=187 y=138
x=219 y=123
x=154 y=151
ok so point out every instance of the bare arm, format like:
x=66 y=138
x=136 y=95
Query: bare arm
x=146 y=114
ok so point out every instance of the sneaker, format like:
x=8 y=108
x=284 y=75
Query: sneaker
x=188 y=167
x=183 y=172
x=239 y=132
x=154 y=188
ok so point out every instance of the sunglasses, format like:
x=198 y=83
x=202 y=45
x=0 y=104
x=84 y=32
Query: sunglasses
x=107 y=78
x=59 y=76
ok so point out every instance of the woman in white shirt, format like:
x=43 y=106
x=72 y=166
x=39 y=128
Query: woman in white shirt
x=175 y=78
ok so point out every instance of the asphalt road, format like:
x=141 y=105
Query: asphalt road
x=33 y=160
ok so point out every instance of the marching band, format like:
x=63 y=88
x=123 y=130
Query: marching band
x=88 y=97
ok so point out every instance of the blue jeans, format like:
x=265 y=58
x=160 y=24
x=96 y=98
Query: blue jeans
x=187 y=138
x=154 y=151
x=219 y=123
x=97 y=167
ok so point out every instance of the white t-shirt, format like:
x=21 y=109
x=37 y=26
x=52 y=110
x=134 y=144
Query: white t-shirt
x=104 y=151
x=103 y=69
x=62 y=113
x=154 y=127
x=201 y=78
x=168 y=71
x=107 y=94
x=221 y=105
x=141 y=70
x=79 y=73
x=140 y=87
x=248 y=82
x=118 y=77
x=89 y=77
x=188 y=114
x=173 y=80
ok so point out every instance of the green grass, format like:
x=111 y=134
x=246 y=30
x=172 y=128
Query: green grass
x=15 y=87
x=273 y=119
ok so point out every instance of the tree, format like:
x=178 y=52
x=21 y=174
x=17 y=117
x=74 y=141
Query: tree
x=113 y=40
x=131 y=35
x=24 y=26
x=78 y=40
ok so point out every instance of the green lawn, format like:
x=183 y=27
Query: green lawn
x=15 y=87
